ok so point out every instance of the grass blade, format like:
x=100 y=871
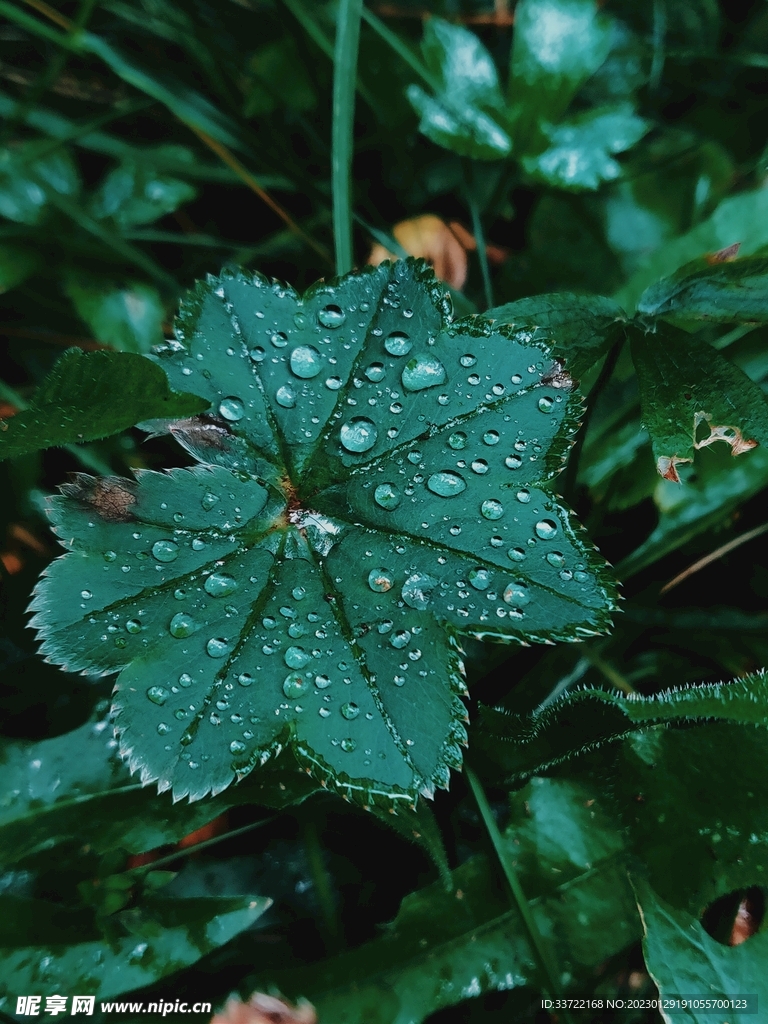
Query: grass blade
x=344 y=77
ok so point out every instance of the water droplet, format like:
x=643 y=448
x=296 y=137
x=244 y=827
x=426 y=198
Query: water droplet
x=296 y=657
x=380 y=580
x=455 y=531
x=198 y=544
x=400 y=639
x=133 y=626
x=110 y=556
x=479 y=578
x=237 y=747
x=158 y=694
x=414 y=457
x=468 y=360
x=556 y=558
x=285 y=396
x=185 y=679
x=163 y=728
x=580 y=576
x=473 y=379
x=219 y=584
x=479 y=466
x=322 y=682
x=359 y=434
x=446 y=484
x=182 y=625
x=545 y=404
x=492 y=509
x=496 y=542
x=516 y=554
x=516 y=594
x=350 y=711
x=295 y=685
x=423 y=372
x=231 y=409
x=398 y=344
x=208 y=500
x=458 y=440
x=331 y=316
x=86 y=595
x=513 y=462
x=218 y=647
x=523 y=496
x=516 y=378
x=491 y=437
x=257 y=354
x=245 y=679
x=417 y=590
x=306 y=362
x=348 y=745
x=120 y=641
x=546 y=529
x=375 y=372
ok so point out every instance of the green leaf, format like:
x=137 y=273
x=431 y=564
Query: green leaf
x=129 y=317
x=582 y=720
x=277 y=75
x=445 y=947
x=17 y=263
x=138 y=192
x=75 y=788
x=579 y=328
x=692 y=397
x=742 y=218
x=376 y=473
x=46 y=945
x=89 y=395
x=466 y=114
x=578 y=153
x=684 y=961
x=27 y=180
x=720 y=486
x=734 y=291
x=557 y=45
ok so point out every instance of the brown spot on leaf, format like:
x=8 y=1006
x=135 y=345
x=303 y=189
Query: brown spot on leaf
x=731 y=435
x=726 y=255
x=201 y=432
x=111 y=497
x=666 y=464
x=558 y=377
x=264 y=1009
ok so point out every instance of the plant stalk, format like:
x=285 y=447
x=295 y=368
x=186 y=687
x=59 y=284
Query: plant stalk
x=342 y=131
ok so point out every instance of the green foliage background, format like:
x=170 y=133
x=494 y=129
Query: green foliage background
x=613 y=150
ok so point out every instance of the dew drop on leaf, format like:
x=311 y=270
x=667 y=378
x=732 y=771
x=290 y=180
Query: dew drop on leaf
x=348 y=745
x=400 y=639
x=295 y=685
x=375 y=372
x=218 y=647
x=245 y=679
x=163 y=728
x=458 y=440
x=333 y=383
x=133 y=626
x=516 y=554
x=491 y=437
x=479 y=466
x=219 y=584
x=158 y=694
x=279 y=339
x=165 y=550
x=322 y=682
x=398 y=344
x=86 y=595
x=546 y=529
x=185 y=679
x=446 y=484
x=358 y=434
x=492 y=509
x=237 y=747
x=110 y=556
x=516 y=594
x=545 y=404
x=182 y=625
x=513 y=462
x=208 y=500
x=380 y=580
x=231 y=409
x=423 y=372
x=417 y=590
x=331 y=316
x=479 y=578
x=198 y=544
x=257 y=354
x=523 y=496
x=297 y=657
x=350 y=711
x=285 y=396
x=556 y=558
x=306 y=362
x=468 y=360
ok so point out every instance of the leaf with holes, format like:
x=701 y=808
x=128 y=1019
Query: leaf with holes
x=376 y=482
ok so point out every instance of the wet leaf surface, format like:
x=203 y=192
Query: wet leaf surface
x=378 y=481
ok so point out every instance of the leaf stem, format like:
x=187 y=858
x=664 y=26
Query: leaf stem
x=344 y=77
x=537 y=942
x=171 y=857
x=322 y=882
x=477 y=231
